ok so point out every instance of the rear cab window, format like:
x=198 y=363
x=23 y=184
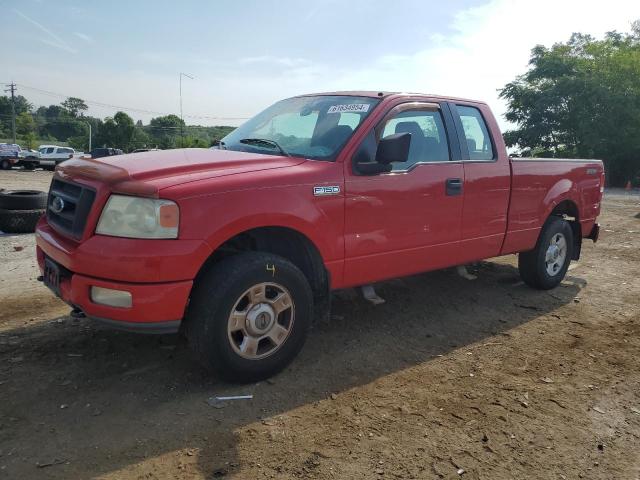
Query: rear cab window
x=476 y=133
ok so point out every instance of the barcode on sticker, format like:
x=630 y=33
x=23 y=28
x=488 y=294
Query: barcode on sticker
x=353 y=107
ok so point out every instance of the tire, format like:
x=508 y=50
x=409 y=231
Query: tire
x=29 y=166
x=19 y=221
x=23 y=200
x=546 y=272
x=225 y=288
x=5 y=164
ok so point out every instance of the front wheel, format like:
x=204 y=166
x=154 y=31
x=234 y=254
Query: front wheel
x=249 y=316
x=545 y=266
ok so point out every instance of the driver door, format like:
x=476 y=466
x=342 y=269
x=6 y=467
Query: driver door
x=408 y=220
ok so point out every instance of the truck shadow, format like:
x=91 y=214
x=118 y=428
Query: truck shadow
x=83 y=401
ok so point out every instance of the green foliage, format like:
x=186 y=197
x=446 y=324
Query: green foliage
x=25 y=124
x=66 y=123
x=75 y=106
x=141 y=139
x=581 y=99
x=166 y=130
x=116 y=132
x=81 y=142
x=22 y=105
x=30 y=140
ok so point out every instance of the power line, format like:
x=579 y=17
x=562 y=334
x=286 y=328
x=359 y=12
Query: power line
x=130 y=109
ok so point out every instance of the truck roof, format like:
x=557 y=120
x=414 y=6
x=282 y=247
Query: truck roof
x=383 y=93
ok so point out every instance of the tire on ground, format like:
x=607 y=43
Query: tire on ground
x=214 y=297
x=532 y=264
x=19 y=221
x=23 y=200
x=5 y=164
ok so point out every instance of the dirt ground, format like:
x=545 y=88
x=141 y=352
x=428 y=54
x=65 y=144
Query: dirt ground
x=450 y=378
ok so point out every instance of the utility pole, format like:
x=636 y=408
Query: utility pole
x=89 y=125
x=181 y=119
x=12 y=89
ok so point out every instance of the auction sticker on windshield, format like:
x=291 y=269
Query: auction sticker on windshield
x=353 y=107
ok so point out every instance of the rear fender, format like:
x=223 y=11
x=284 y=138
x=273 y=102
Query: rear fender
x=562 y=190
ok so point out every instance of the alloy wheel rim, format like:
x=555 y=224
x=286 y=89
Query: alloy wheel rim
x=556 y=254
x=261 y=320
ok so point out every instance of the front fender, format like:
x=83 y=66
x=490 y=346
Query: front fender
x=217 y=218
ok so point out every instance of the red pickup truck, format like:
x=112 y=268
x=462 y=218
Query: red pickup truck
x=241 y=245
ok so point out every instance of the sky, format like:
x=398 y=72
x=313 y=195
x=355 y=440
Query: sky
x=244 y=55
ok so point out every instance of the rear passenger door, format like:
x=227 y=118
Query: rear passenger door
x=487 y=182
x=408 y=220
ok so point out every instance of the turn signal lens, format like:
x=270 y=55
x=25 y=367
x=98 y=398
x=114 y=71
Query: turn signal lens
x=169 y=216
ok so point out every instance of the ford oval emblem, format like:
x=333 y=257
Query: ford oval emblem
x=57 y=205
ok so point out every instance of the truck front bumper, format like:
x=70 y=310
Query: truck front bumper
x=155 y=305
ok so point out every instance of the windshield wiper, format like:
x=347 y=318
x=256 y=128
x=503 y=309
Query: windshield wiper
x=264 y=142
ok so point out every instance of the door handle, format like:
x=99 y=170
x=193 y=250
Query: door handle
x=454 y=186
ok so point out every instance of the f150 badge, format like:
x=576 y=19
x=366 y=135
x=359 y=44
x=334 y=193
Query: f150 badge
x=326 y=190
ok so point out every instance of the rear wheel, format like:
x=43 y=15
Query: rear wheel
x=249 y=316
x=545 y=266
x=5 y=164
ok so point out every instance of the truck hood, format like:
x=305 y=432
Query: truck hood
x=147 y=172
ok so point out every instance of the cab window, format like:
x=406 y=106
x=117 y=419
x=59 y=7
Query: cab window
x=428 y=136
x=476 y=133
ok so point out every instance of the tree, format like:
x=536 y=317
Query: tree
x=22 y=106
x=75 y=106
x=165 y=130
x=581 y=99
x=30 y=140
x=116 y=132
x=25 y=124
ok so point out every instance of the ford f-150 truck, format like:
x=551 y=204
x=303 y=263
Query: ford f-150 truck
x=240 y=246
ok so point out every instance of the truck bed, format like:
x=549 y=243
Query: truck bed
x=539 y=185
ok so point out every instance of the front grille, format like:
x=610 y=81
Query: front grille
x=68 y=207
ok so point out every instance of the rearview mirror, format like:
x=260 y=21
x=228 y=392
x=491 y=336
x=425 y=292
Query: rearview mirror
x=394 y=148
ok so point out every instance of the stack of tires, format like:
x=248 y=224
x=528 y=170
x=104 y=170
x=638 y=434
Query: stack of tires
x=20 y=210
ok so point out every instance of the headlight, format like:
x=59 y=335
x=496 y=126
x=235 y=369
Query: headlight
x=135 y=217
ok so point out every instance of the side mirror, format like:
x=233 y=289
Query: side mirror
x=394 y=148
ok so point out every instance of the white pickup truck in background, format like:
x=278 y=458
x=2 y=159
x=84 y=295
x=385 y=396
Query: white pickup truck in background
x=52 y=155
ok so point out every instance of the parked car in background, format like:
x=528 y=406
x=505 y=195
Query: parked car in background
x=52 y=155
x=105 y=152
x=29 y=159
x=9 y=155
x=140 y=150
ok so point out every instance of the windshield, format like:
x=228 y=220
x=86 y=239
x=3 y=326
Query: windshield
x=312 y=127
